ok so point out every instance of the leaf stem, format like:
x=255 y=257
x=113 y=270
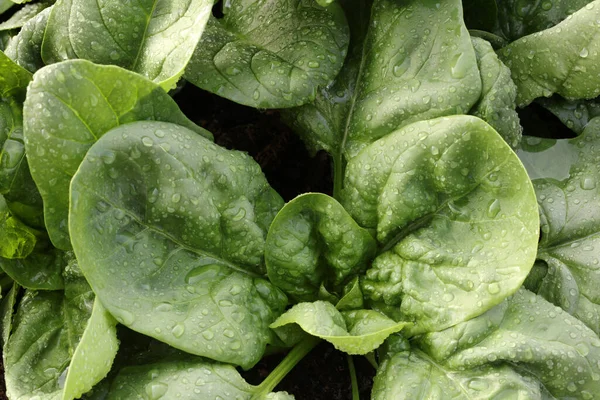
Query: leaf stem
x=355 y=392
x=371 y=358
x=285 y=366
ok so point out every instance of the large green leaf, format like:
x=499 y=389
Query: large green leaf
x=41 y=270
x=313 y=242
x=69 y=106
x=187 y=220
x=534 y=336
x=563 y=59
x=353 y=332
x=456 y=219
x=497 y=103
x=411 y=374
x=155 y=38
x=566 y=177
x=26 y=47
x=408 y=61
x=16 y=183
x=270 y=54
x=517 y=18
x=180 y=377
x=54 y=334
x=17 y=240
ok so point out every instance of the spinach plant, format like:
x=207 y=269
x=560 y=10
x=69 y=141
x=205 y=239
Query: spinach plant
x=457 y=250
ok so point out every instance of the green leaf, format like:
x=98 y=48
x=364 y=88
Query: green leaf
x=7 y=308
x=24 y=14
x=13 y=78
x=180 y=377
x=41 y=270
x=353 y=298
x=563 y=59
x=5 y=5
x=16 y=183
x=536 y=337
x=575 y=114
x=187 y=219
x=54 y=334
x=408 y=61
x=154 y=38
x=17 y=240
x=519 y=18
x=411 y=374
x=568 y=193
x=69 y=106
x=497 y=103
x=271 y=54
x=353 y=332
x=314 y=241
x=26 y=47
x=456 y=219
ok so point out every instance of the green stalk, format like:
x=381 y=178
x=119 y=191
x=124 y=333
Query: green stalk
x=355 y=392
x=285 y=366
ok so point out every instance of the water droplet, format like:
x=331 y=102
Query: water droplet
x=202 y=274
x=588 y=183
x=208 y=335
x=156 y=390
x=493 y=288
x=584 y=53
x=178 y=330
x=147 y=141
x=493 y=208
x=314 y=64
x=460 y=66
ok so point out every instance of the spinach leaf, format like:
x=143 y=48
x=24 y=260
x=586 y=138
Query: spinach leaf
x=16 y=184
x=353 y=332
x=26 y=47
x=41 y=270
x=13 y=78
x=562 y=59
x=155 y=38
x=312 y=242
x=536 y=337
x=270 y=54
x=567 y=195
x=17 y=240
x=24 y=14
x=54 y=334
x=520 y=18
x=497 y=103
x=180 y=377
x=408 y=61
x=7 y=307
x=187 y=221
x=412 y=374
x=456 y=220
x=575 y=114
x=69 y=106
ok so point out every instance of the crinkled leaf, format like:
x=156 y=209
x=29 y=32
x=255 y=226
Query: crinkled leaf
x=519 y=18
x=16 y=183
x=531 y=334
x=456 y=219
x=183 y=377
x=17 y=240
x=187 y=219
x=54 y=334
x=411 y=374
x=270 y=54
x=26 y=48
x=352 y=298
x=566 y=177
x=575 y=114
x=408 y=61
x=563 y=59
x=41 y=270
x=155 y=38
x=497 y=103
x=24 y=14
x=314 y=241
x=353 y=332
x=69 y=106
x=13 y=78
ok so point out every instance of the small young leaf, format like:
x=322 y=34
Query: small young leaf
x=353 y=332
x=26 y=48
x=313 y=241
